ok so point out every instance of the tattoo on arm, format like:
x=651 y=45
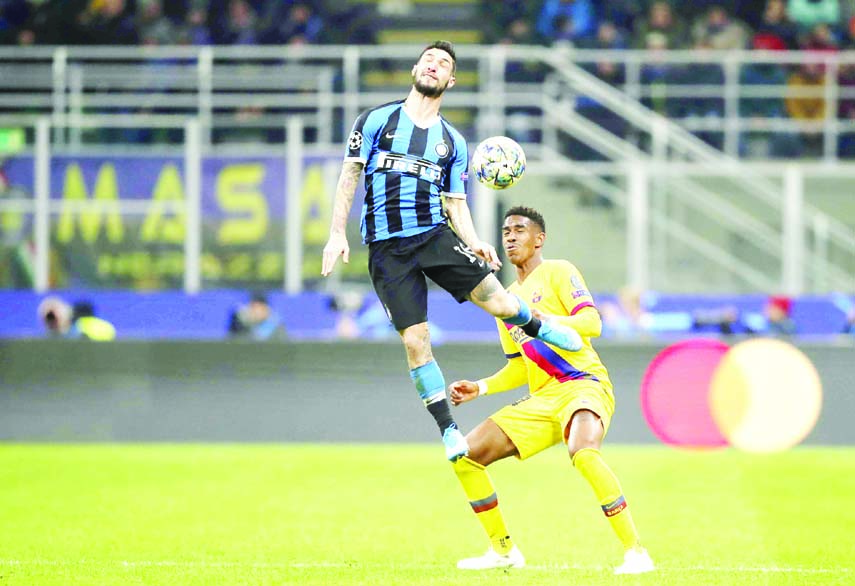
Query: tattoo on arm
x=461 y=220
x=344 y=192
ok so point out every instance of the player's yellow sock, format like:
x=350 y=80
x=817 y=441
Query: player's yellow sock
x=482 y=496
x=589 y=462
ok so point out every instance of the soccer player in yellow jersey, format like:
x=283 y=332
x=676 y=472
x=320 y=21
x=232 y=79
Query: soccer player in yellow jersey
x=570 y=399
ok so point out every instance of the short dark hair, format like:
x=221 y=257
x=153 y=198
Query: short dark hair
x=446 y=46
x=527 y=212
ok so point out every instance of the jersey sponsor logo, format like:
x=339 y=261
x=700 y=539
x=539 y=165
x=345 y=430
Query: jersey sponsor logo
x=442 y=150
x=467 y=252
x=391 y=135
x=354 y=141
x=464 y=176
x=580 y=293
x=536 y=296
x=410 y=166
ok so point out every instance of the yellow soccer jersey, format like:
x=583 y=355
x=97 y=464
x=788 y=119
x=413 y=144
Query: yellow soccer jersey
x=555 y=287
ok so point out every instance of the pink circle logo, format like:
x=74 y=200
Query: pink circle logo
x=762 y=395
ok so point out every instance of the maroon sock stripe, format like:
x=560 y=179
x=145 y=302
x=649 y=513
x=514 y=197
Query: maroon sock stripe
x=491 y=502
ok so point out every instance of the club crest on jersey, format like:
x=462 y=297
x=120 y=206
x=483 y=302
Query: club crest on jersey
x=442 y=150
x=354 y=141
x=536 y=296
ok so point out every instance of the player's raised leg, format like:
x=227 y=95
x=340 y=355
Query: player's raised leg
x=493 y=298
x=487 y=444
x=583 y=442
x=430 y=384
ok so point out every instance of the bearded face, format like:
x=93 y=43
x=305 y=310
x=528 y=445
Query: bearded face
x=434 y=73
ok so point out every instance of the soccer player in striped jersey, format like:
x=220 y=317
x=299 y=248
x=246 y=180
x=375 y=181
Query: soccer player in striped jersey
x=570 y=398
x=415 y=166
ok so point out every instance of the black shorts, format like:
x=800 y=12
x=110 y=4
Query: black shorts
x=398 y=267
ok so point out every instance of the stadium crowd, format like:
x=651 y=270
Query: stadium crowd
x=823 y=25
x=817 y=26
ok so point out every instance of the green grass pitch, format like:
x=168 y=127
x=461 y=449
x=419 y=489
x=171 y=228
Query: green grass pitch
x=394 y=514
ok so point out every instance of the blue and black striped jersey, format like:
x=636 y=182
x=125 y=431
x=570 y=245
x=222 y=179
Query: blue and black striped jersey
x=407 y=169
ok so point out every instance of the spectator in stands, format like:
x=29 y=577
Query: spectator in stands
x=287 y=23
x=14 y=14
x=256 y=320
x=704 y=81
x=608 y=38
x=566 y=20
x=655 y=73
x=846 y=111
x=77 y=322
x=846 y=305
x=195 y=29
x=808 y=78
x=722 y=320
x=522 y=121
x=625 y=316
x=809 y=13
x=721 y=30
x=232 y=23
x=663 y=25
x=611 y=71
x=622 y=13
x=776 y=320
x=353 y=24
x=763 y=111
x=107 y=22
x=508 y=22
x=849 y=328
x=153 y=26
x=821 y=39
x=776 y=27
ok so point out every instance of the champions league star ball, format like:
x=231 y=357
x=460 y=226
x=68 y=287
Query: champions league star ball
x=498 y=162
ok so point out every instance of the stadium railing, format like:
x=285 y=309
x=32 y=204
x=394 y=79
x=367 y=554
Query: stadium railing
x=752 y=239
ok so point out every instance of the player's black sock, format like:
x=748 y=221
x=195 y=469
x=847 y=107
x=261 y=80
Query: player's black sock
x=442 y=414
x=532 y=327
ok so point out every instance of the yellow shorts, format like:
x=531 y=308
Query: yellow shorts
x=538 y=421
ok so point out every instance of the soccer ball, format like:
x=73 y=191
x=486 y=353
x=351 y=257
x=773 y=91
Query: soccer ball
x=498 y=162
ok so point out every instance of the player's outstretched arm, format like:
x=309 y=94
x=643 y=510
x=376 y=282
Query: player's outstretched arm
x=461 y=220
x=511 y=376
x=337 y=245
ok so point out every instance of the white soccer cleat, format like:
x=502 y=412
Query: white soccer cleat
x=455 y=444
x=635 y=561
x=492 y=560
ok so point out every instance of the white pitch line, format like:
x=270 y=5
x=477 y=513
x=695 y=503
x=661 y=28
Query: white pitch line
x=357 y=564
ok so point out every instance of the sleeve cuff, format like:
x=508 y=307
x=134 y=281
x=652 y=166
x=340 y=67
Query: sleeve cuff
x=482 y=387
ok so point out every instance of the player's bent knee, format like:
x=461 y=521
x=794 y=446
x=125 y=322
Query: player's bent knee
x=488 y=443
x=577 y=447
